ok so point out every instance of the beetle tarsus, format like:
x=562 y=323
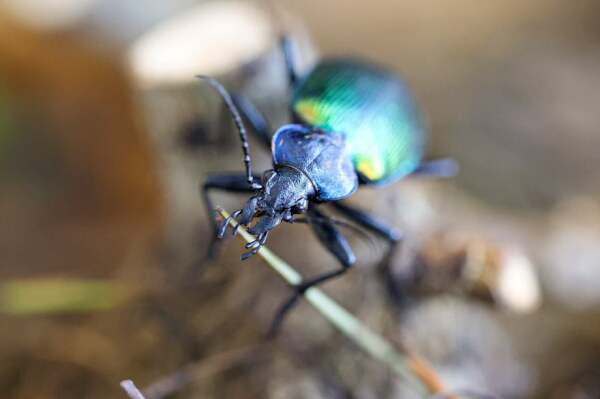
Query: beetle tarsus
x=252 y=244
x=225 y=223
x=249 y=254
x=255 y=245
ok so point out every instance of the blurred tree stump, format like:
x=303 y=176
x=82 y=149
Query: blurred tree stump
x=80 y=174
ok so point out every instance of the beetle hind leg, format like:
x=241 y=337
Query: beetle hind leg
x=286 y=44
x=300 y=290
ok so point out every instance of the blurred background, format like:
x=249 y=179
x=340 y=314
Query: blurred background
x=105 y=138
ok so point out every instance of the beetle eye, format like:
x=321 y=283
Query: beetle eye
x=301 y=205
x=287 y=216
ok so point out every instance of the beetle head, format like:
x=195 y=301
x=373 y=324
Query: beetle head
x=285 y=192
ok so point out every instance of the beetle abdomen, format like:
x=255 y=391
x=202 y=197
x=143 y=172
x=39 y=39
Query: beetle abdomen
x=374 y=110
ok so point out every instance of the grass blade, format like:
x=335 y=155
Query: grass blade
x=408 y=366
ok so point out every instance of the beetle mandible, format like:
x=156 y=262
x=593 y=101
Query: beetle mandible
x=353 y=123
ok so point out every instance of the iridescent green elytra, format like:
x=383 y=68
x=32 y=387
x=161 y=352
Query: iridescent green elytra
x=372 y=108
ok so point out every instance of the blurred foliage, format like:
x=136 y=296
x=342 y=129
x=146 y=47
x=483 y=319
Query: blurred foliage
x=6 y=123
x=45 y=296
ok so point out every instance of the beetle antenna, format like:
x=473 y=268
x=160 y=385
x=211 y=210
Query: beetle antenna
x=237 y=119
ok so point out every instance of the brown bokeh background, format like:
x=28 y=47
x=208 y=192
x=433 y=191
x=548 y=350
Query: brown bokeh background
x=510 y=89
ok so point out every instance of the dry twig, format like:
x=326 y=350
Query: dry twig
x=132 y=391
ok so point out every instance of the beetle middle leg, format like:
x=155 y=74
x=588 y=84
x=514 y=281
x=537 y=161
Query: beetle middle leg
x=382 y=229
x=335 y=243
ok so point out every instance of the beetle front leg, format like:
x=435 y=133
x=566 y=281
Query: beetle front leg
x=233 y=183
x=337 y=245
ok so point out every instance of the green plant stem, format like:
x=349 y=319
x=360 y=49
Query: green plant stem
x=372 y=343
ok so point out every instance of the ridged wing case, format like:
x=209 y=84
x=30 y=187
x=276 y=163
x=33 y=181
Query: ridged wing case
x=372 y=108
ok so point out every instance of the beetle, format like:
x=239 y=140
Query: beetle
x=352 y=124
